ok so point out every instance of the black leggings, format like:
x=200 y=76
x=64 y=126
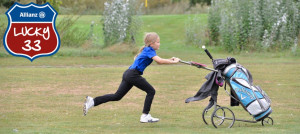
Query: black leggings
x=131 y=77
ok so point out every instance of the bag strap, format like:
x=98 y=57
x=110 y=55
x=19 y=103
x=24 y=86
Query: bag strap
x=230 y=94
x=237 y=68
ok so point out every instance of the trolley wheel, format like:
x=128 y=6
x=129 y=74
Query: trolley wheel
x=205 y=114
x=223 y=116
x=267 y=121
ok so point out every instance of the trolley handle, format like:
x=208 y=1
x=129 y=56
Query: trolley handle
x=185 y=62
x=198 y=65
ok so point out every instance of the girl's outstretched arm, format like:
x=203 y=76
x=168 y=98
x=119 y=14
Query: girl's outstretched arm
x=159 y=60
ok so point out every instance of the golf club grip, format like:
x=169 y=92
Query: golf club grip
x=209 y=55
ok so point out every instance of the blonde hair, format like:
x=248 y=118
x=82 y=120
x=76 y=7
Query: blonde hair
x=149 y=38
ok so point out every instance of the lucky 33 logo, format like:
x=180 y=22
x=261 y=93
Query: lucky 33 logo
x=31 y=31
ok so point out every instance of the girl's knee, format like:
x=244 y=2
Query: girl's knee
x=117 y=97
x=151 y=92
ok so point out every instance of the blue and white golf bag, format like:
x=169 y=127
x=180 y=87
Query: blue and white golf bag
x=251 y=97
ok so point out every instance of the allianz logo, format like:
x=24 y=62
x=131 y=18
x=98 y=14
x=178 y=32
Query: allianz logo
x=33 y=15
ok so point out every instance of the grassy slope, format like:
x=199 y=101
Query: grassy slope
x=172 y=34
x=46 y=96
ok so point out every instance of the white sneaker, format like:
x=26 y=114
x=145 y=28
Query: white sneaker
x=148 y=119
x=89 y=103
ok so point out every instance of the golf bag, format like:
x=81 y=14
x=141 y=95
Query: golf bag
x=251 y=97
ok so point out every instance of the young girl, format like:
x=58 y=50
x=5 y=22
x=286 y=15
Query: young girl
x=132 y=77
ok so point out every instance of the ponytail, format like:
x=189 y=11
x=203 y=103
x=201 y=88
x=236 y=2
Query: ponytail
x=141 y=49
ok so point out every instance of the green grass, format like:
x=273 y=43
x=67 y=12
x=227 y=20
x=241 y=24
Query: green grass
x=46 y=95
x=49 y=100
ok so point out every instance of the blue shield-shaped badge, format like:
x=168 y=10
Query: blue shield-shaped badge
x=31 y=31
